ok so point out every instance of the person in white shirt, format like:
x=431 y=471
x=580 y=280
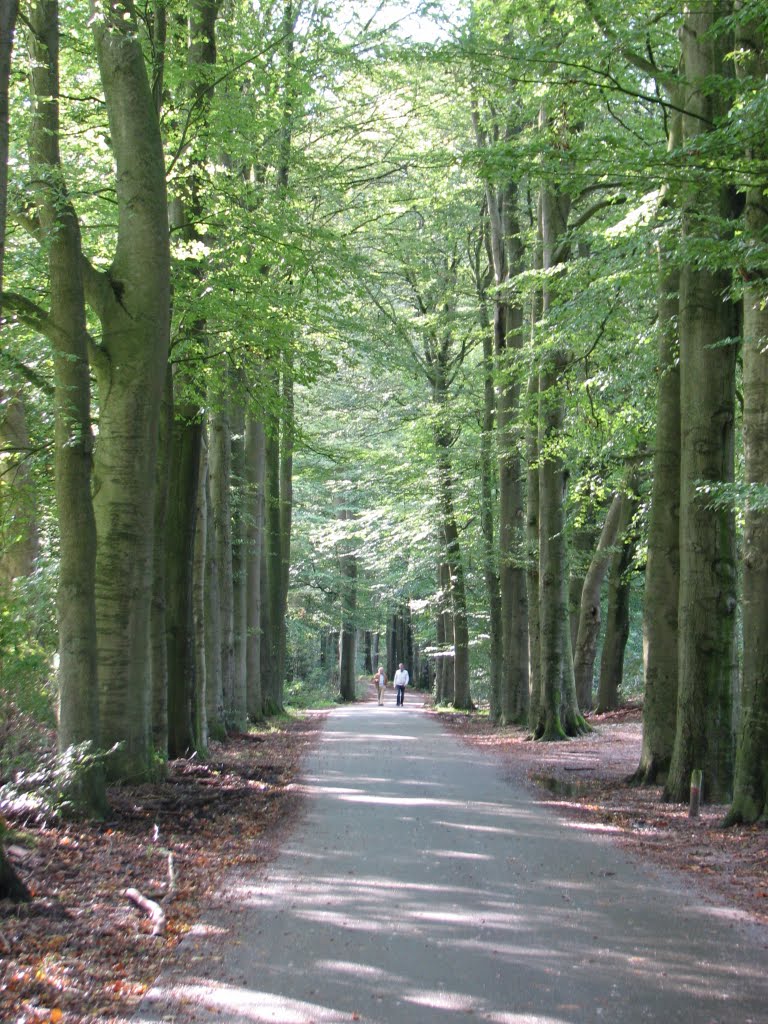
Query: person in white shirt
x=401 y=680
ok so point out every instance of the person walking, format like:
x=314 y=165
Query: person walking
x=401 y=680
x=380 y=679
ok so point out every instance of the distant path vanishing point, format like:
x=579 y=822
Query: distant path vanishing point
x=420 y=887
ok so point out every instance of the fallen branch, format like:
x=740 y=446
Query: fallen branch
x=154 y=910
x=171 y=880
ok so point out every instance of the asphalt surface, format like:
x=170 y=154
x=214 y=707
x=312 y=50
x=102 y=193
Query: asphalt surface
x=421 y=886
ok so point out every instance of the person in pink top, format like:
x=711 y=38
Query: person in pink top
x=381 y=681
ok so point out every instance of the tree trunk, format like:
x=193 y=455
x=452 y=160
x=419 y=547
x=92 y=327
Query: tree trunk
x=220 y=466
x=515 y=699
x=159 y=623
x=133 y=303
x=532 y=524
x=19 y=535
x=255 y=470
x=214 y=689
x=188 y=718
x=271 y=579
x=617 y=618
x=11 y=886
x=455 y=578
x=199 y=588
x=186 y=451
x=558 y=710
x=662 y=572
x=590 y=617
x=75 y=602
x=239 y=712
x=750 y=795
x=348 y=635
x=286 y=515
x=8 y=13
x=445 y=635
x=703 y=738
x=582 y=543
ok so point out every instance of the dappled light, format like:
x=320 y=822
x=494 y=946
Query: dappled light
x=469 y=899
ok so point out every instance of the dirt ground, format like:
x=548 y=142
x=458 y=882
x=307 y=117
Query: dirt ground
x=82 y=953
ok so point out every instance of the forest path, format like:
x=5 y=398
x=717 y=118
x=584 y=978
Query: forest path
x=420 y=886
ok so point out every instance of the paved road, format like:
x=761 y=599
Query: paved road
x=421 y=887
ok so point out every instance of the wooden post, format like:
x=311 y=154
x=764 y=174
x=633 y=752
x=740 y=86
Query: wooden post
x=693 y=806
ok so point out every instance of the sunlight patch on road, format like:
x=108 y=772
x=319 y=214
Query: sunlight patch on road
x=253 y=1005
x=458 y=855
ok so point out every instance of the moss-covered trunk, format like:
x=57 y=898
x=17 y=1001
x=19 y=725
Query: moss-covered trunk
x=75 y=603
x=133 y=303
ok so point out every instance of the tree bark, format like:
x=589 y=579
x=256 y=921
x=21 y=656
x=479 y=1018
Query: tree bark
x=199 y=591
x=488 y=486
x=271 y=577
x=704 y=734
x=455 y=577
x=507 y=259
x=214 y=690
x=617 y=617
x=133 y=303
x=348 y=634
x=662 y=572
x=188 y=719
x=184 y=487
x=444 y=629
x=255 y=471
x=220 y=467
x=8 y=13
x=159 y=624
x=750 y=795
x=590 y=616
x=558 y=711
x=19 y=534
x=76 y=601
x=239 y=713
x=11 y=886
x=532 y=521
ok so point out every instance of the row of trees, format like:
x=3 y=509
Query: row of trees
x=298 y=303
x=160 y=265
x=583 y=220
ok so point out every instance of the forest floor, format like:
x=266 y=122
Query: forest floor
x=82 y=953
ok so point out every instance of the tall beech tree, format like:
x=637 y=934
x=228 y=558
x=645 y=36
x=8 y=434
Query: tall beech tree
x=65 y=325
x=188 y=704
x=11 y=887
x=750 y=796
x=506 y=248
x=708 y=329
x=558 y=712
x=132 y=300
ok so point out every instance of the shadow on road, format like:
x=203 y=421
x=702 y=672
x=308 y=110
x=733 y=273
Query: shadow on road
x=421 y=887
